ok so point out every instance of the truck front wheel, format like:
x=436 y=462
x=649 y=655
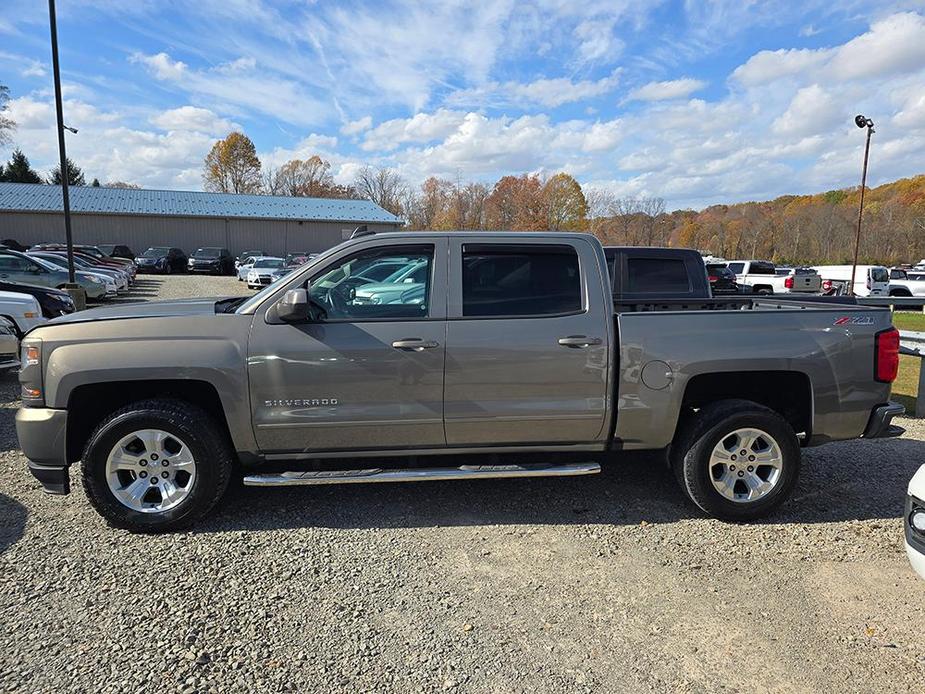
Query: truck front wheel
x=736 y=460
x=156 y=466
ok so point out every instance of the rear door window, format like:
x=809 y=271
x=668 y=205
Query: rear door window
x=736 y=267
x=520 y=281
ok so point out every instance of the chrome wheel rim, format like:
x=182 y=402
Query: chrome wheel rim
x=746 y=465
x=150 y=471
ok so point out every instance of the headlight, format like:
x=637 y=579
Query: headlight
x=95 y=280
x=30 y=373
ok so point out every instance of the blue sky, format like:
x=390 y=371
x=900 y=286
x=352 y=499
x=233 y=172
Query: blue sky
x=694 y=102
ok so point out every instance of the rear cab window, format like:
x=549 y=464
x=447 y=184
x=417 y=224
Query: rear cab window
x=656 y=276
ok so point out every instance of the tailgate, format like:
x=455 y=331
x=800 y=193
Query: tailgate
x=807 y=283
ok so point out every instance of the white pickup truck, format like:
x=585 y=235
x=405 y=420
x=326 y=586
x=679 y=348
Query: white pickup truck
x=907 y=282
x=761 y=277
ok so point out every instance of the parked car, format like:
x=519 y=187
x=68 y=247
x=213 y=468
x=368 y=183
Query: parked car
x=117 y=250
x=163 y=260
x=516 y=346
x=95 y=257
x=760 y=277
x=869 y=280
x=22 y=310
x=914 y=522
x=260 y=273
x=13 y=245
x=113 y=281
x=19 y=268
x=245 y=255
x=722 y=280
x=117 y=274
x=245 y=266
x=54 y=302
x=299 y=258
x=9 y=346
x=906 y=282
x=217 y=261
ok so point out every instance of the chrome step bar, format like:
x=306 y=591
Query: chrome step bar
x=463 y=472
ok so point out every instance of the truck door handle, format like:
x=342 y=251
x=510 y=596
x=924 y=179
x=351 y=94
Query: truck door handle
x=415 y=344
x=579 y=341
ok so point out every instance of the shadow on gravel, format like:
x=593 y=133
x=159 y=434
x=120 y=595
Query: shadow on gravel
x=840 y=482
x=12 y=522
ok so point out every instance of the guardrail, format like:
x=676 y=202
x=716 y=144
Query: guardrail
x=912 y=344
x=893 y=301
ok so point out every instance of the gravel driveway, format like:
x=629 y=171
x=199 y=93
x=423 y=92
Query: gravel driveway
x=602 y=583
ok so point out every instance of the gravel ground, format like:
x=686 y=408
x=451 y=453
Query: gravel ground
x=604 y=583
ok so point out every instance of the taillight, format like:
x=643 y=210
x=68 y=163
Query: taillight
x=712 y=278
x=826 y=285
x=788 y=283
x=886 y=355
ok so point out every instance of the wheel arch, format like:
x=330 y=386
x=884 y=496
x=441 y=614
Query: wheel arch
x=90 y=403
x=789 y=393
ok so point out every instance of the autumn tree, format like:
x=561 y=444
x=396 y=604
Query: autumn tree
x=301 y=178
x=18 y=170
x=7 y=125
x=516 y=204
x=565 y=205
x=383 y=186
x=232 y=166
x=75 y=177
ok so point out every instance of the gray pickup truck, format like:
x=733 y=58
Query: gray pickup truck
x=510 y=350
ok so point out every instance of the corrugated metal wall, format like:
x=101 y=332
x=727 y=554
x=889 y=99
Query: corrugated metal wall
x=189 y=233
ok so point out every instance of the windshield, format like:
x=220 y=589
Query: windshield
x=207 y=253
x=246 y=254
x=107 y=249
x=155 y=252
x=269 y=262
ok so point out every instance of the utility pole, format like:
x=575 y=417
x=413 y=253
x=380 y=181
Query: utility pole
x=861 y=122
x=74 y=289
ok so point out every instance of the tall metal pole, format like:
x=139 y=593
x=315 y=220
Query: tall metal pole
x=857 y=238
x=63 y=154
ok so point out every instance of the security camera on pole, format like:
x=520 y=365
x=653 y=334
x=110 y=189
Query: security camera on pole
x=861 y=122
x=75 y=290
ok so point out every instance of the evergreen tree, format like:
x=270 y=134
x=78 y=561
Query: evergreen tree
x=95 y=183
x=18 y=170
x=75 y=177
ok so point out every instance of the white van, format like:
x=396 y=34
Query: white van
x=869 y=280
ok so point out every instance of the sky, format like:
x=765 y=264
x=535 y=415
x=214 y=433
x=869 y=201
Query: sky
x=695 y=102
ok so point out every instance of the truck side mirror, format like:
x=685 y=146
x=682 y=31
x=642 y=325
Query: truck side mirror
x=293 y=307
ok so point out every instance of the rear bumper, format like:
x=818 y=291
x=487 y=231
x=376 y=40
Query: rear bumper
x=880 y=424
x=42 y=436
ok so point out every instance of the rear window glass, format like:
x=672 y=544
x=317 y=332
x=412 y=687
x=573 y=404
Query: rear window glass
x=736 y=267
x=760 y=267
x=656 y=275
x=879 y=274
x=536 y=280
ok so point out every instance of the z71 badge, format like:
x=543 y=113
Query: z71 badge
x=854 y=320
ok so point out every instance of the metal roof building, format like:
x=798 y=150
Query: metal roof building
x=32 y=213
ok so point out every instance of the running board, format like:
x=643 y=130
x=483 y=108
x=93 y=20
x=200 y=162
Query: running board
x=463 y=472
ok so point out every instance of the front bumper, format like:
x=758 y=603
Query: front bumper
x=915 y=541
x=880 y=426
x=42 y=433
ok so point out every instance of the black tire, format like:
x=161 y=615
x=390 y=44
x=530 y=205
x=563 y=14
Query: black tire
x=168 y=268
x=214 y=461
x=900 y=292
x=763 y=290
x=698 y=435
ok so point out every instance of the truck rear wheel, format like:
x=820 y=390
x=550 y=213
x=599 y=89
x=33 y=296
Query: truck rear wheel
x=736 y=460
x=156 y=466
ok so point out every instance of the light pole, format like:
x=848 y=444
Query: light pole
x=861 y=122
x=74 y=289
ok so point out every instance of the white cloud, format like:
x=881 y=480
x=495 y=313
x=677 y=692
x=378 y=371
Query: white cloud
x=422 y=127
x=192 y=118
x=355 y=127
x=893 y=45
x=813 y=110
x=767 y=66
x=671 y=89
x=550 y=92
x=597 y=40
x=238 y=84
